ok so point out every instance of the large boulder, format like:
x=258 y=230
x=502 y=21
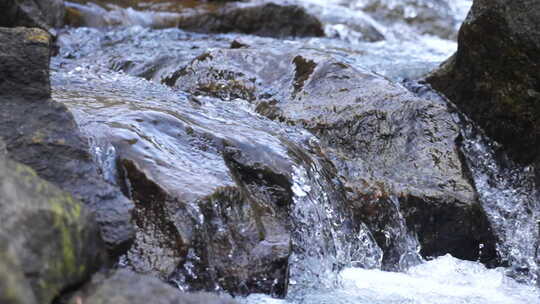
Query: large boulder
x=42 y=134
x=220 y=192
x=48 y=240
x=126 y=287
x=494 y=75
x=45 y=14
x=211 y=206
x=440 y=17
x=393 y=151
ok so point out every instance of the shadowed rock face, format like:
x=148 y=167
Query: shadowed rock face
x=48 y=240
x=494 y=75
x=388 y=145
x=45 y=14
x=126 y=287
x=42 y=134
x=259 y=18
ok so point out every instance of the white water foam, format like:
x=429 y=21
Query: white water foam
x=445 y=280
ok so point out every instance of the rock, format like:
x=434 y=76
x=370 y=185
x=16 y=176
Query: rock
x=126 y=287
x=54 y=237
x=42 y=134
x=211 y=199
x=494 y=76
x=259 y=18
x=262 y=18
x=14 y=288
x=220 y=192
x=391 y=149
x=25 y=56
x=44 y=14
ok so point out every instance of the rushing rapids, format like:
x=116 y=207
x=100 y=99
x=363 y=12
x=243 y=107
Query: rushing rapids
x=297 y=162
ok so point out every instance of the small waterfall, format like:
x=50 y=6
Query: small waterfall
x=324 y=238
x=511 y=199
x=328 y=242
x=105 y=156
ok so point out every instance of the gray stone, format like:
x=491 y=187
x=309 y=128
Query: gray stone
x=42 y=134
x=126 y=287
x=387 y=144
x=494 y=75
x=54 y=237
x=44 y=14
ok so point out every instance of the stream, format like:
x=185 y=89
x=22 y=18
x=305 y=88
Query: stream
x=112 y=75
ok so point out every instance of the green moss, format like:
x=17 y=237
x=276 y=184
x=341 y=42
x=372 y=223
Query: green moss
x=64 y=223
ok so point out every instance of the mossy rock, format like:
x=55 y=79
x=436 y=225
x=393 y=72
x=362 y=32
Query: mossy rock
x=14 y=288
x=54 y=237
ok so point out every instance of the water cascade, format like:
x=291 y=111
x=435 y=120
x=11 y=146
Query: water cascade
x=221 y=172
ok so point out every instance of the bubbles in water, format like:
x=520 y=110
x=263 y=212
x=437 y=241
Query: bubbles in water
x=445 y=280
x=511 y=200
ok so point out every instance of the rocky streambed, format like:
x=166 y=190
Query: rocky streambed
x=269 y=152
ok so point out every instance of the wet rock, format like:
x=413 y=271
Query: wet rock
x=124 y=286
x=262 y=18
x=391 y=149
x=45 y=14
x=211 y=202
x=207 y=228
x=259 y=18
x=46 y=236
x=223 y=196
x=494 y=76
x=42 y=134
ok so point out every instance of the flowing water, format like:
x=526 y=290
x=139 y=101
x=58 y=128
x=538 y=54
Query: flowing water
x=110 y=78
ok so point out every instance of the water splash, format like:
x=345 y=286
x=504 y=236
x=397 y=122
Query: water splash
x=324 y=238
x=511 y=199
x=445 y=280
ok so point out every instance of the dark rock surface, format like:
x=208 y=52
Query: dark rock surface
x=126 y=287
x=494 y=75
x=263 y=18
x=46 y=237
x=45 y=14
x=42 y=134
x=212 y=182
x=260 y=18
x=388 y=145
x=212 y=197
